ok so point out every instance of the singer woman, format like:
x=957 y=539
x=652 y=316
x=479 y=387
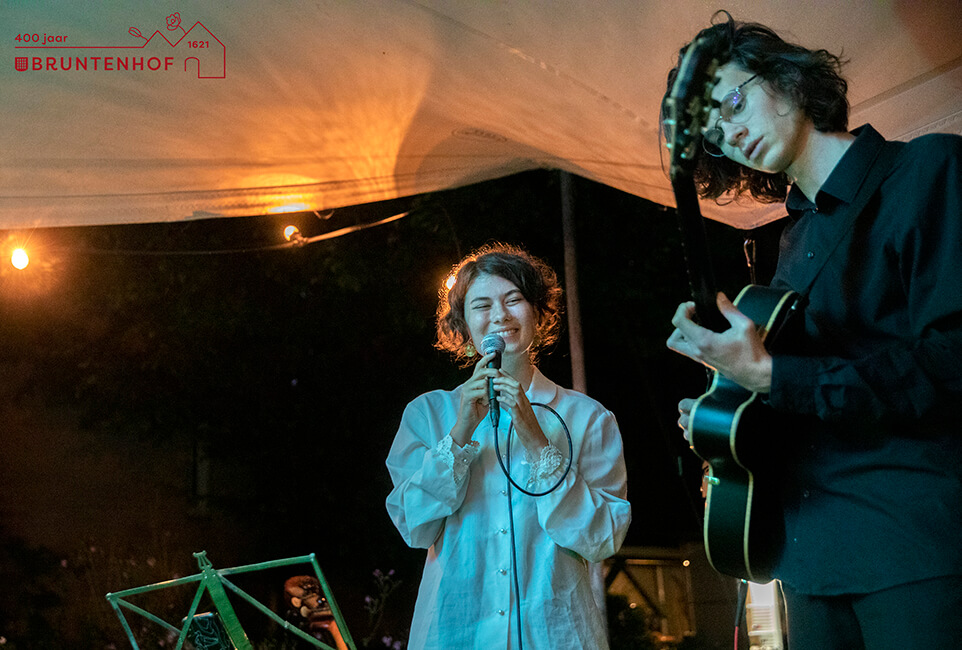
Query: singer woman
x=507 y=560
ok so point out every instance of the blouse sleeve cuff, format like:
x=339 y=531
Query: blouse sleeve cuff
x=547 y=466
x=456 y=458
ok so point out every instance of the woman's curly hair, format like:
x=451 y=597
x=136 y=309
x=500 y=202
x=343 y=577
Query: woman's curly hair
x=536 y=280
x=810 y=78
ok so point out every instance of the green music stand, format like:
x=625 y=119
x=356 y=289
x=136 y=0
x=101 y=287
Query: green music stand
x=213 y=581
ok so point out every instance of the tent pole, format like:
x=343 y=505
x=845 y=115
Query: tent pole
x=578 y=377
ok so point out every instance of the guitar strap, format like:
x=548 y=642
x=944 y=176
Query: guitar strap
x=881 y=165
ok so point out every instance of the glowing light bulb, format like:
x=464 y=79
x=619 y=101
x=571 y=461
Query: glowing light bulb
x=291 y=232
x=20 y=259
x=289 y=207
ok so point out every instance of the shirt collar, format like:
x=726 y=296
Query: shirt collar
x=542 y=389
x=849 y=174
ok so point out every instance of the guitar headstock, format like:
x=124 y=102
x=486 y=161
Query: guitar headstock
x=688 y=104
x=686 y=112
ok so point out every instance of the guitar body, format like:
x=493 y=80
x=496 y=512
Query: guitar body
x=736 y=434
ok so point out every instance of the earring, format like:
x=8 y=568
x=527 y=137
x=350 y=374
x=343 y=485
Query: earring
x=469 y=350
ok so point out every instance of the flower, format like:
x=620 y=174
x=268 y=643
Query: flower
x=173 y=21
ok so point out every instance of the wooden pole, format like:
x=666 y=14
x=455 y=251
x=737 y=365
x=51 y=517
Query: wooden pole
x=579 y=379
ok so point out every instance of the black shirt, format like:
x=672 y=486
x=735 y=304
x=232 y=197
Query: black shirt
x=873 y=476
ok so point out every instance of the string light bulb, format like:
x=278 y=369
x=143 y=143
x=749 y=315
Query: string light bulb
x=293 y=235
x=20 y=259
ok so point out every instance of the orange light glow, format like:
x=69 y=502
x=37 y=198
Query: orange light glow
x=450 y=281
x=290 y=207
x=291 y=232
x=20 y=259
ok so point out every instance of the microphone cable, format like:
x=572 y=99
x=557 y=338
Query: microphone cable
x=506 y=469
x=514 y=549
x=740 y=608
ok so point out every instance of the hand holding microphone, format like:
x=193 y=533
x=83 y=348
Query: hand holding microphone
x=493 y=343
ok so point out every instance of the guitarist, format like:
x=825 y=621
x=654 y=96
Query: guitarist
x=871 y=481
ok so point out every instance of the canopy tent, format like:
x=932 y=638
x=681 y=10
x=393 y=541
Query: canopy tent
x=129 y=112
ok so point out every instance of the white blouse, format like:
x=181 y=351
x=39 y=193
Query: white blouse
x=453 y=501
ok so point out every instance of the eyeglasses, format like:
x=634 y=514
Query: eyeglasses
x=730 y=106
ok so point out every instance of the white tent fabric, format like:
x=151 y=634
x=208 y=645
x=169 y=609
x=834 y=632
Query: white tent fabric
x=248 y=108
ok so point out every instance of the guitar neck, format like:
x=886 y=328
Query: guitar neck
x=701 y=275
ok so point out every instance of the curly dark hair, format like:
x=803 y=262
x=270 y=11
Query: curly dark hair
x=536 y=280
x=810 y=78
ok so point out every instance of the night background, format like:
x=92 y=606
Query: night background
x=134 y=357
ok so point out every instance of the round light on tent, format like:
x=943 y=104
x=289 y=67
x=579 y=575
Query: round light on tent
x=289 y=207
x=291 y=232
x=20 y=259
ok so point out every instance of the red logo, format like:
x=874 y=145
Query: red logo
x=196 y=48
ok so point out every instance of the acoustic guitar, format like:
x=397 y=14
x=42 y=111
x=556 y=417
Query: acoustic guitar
x=730 y=428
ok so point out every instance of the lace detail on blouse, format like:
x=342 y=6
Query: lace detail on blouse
x=545 y=466
x=458 y=459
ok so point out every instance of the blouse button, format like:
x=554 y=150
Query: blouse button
x=502 y=571
x=503 y=531
x=500 y=612
x=810 y=255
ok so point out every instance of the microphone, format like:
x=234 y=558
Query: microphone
x=493 y=343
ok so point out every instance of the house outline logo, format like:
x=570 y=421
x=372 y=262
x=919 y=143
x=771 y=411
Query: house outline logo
x=198 y=48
